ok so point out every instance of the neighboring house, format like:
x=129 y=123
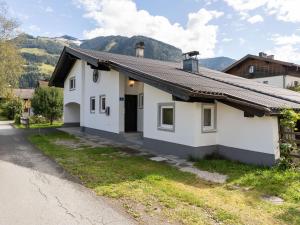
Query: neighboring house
x=42 y=84
x=265 y=69
x=189 y=111
x=26 y=95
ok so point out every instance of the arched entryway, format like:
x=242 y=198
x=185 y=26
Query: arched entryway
x=72 y=114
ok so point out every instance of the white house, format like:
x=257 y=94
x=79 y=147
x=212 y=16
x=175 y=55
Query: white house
x=179 y=110
x=265 y=69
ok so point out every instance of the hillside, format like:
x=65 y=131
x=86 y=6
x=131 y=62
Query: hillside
x=217 y=63
x=126 y=46
x=42 y=53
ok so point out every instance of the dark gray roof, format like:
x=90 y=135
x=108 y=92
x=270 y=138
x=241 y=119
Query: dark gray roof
x=206 y=84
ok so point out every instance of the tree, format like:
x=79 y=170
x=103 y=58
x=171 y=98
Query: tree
x=13 y=106
x=48 y=102
x=11 y=62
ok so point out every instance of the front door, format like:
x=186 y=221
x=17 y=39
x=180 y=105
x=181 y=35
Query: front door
x=130 y=113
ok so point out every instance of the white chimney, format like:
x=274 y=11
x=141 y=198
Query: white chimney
x=139 y=49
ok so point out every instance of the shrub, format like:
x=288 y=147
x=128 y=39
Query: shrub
x=17 y=119
x=38 y=119
x=13 y=107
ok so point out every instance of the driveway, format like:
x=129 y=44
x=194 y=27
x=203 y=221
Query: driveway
x=35 y=190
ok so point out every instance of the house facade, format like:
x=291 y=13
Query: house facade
x=265 y=69
x=184 y=113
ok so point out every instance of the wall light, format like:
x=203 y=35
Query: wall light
x=131 y=83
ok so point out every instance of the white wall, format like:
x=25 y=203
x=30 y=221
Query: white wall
x=107 y=85
x=187 y=120
x=289 y=80
x=275 y=81
x=73 y=95
x=282 y=81
x=233 y=129
x=256 y=134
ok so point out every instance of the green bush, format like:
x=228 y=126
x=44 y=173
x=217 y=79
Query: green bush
x=38 y=119
x=13 y=107
x=17 y=119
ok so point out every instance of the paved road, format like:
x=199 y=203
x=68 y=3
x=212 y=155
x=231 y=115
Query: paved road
x=34 y=190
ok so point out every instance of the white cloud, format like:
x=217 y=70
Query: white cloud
x=121 y=17
x=284 y=10
x=226 y=39
x=286 y=39
x=255 y=19
x=48 y=9
x=242 y=41
x=287 y=53
x=34 y=28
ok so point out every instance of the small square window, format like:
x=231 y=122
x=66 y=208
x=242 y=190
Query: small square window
x=141 y=101
x=72 y=84
x=102 y=103
x=166 y=116
x=265 y=82
x=208 y=118
x=92 y=104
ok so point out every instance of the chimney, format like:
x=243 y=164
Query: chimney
x=262 y=54
x=190 y=62
x=139 y=49
x=270 y=56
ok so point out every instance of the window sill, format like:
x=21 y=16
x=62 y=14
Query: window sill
x=73 y=89
x=209 y=131
x=166 y=129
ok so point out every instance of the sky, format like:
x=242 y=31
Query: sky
x=231 y=28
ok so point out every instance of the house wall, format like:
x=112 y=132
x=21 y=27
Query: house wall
x=277 y=81
x=290 y=81
x=108 y=85
x=282 y=81
x=258 y=134
x=73 y=96
x=234 y=131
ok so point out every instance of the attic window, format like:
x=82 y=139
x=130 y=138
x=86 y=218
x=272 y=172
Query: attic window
x=251 y=69
x=72 y=83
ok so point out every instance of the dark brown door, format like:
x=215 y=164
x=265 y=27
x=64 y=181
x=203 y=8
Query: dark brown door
x=130 y=113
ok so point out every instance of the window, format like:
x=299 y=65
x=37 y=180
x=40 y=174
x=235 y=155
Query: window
x=92 y=104
x=141 y=101
x=166 y=116
x=251 y=69
x=102 y=103
x=72 y=84
x=265 y=82
x=296 y=83
x=208 y=118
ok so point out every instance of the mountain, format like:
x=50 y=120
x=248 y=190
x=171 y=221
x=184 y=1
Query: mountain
x=42 y=53
x=217 y=63
x=126 y=46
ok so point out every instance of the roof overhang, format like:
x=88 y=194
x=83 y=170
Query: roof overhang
x=69 y=56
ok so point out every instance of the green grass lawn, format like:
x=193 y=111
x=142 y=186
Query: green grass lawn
x=41 y=125
x=157 y=190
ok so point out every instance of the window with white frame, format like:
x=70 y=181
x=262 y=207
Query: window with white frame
x=208 y=118
x=102 y=103
x=166 y=116
x=72 y=83
x=141 y=101
x=92 y=104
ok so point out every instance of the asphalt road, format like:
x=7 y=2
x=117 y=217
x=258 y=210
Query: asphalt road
x=34 y=190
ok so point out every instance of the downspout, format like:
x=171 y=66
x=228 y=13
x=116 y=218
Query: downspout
x=284 y=81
